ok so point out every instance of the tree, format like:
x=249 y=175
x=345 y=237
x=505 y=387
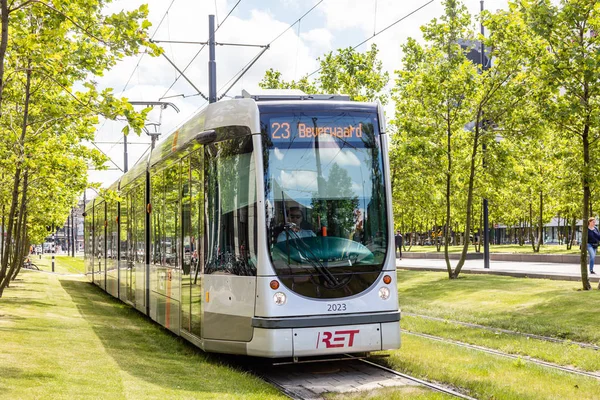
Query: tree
x=459 y=104
x=357 y=74
x=55 y=48
x=571 y=67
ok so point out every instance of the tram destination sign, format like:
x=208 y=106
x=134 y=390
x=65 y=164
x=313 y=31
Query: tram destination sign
x=308 y=128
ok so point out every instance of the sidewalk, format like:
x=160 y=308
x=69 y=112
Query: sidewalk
x=521 y=269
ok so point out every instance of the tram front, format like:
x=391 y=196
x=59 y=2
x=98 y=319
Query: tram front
x=330 y=285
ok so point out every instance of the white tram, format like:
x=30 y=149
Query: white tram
x=263 y=226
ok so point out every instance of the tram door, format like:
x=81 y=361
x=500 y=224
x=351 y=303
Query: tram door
x=138 y=226
x=100 y=244
x=165 y=253
x=192 y=205
x=229 y=279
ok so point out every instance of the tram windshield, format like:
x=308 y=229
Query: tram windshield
x=326 y=212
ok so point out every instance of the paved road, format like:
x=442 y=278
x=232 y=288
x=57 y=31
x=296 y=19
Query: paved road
x=511 y=268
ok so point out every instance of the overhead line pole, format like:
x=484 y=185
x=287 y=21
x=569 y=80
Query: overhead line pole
x=486 y=221
x=212 y=65
x=125 y=166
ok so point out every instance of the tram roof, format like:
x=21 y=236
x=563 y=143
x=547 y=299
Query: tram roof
x=237 y=112
x=241 y=112
x=329 y=105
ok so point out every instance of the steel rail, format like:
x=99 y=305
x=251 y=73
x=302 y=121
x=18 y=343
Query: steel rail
x=507 y=331
x=503 y=354
x=431 y=385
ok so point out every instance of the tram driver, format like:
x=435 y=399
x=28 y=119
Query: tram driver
x=297 y=230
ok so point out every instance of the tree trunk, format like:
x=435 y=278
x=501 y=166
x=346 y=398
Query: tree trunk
x=463 y=255
x=572 y=235
x=531 y=237
x=3 y=45
x=448 y=221
x=8 y=255
x=3 y=231
x=22 y=243
x=540 y=240
x=586 y=201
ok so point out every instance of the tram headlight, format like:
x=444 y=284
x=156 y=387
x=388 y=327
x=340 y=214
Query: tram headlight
x=279 y=298
x=384 y=293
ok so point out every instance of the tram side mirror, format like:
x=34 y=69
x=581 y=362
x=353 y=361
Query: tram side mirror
x=206 y=137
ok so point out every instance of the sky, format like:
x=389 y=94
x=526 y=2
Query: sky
x=331 y=25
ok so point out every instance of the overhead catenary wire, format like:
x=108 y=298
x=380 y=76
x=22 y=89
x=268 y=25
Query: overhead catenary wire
x=268 y=45
x=109 y=159
x=383 y=30
x=249 y=63
x=138 y=63
x=151 y=37
x=198 y=53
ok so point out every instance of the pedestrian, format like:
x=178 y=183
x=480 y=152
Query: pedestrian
x=398 y=241
x=592 y=243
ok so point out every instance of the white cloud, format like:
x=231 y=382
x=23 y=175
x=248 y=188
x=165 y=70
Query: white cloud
x=300 y=180
x=333 y=24
x=319 y=39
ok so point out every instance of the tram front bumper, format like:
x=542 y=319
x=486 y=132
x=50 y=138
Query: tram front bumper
x=291 y=337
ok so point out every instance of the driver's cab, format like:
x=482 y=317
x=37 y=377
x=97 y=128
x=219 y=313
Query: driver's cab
x=294 y=220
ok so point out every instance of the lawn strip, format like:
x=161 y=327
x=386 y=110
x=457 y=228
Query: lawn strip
x=503 y=331
x=487 y=376
x=564 y=354
x=503 y=248
x=63 y=338
x=63 y=264
x=538 y=306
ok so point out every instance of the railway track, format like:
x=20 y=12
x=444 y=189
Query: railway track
x=502 y=354
x=309 y=381
x=422 y=382
x=507 y=331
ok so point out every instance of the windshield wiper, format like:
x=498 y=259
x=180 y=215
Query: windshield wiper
x=330 y=279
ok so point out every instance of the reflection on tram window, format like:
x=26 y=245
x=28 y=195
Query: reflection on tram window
x=325 y=200
x=230 y=186
x=157 y=240
x=139 y=224
x=171 y=219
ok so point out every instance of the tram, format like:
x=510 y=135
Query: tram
x=262 y=226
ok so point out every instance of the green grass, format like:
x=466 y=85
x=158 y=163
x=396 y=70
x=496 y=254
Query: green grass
x=509 y=248
x=544 y=307
x=486 y=376
x=62 y=338
x=63 y=264
x=567 y=354
x=540 y=306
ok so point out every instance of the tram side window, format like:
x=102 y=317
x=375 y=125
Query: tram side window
x=230 y=187
x=157 y=241
x=197 y=228
x=171 y=216
x=125 y=240
x=139 y=207
x=186 y=208
x=99 y=232
x=111 y=234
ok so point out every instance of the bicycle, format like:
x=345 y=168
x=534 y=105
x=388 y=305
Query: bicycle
x=27 y=264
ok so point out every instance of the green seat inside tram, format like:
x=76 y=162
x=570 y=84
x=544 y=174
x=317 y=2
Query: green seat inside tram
x=335 y=251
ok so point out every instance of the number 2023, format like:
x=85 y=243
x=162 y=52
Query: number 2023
x=336 y=307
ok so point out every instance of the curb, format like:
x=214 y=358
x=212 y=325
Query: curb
x=557 y=277
x=544 y=258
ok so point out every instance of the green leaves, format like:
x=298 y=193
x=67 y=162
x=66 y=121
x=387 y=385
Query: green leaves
x=50 y=104
x=346 y=72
